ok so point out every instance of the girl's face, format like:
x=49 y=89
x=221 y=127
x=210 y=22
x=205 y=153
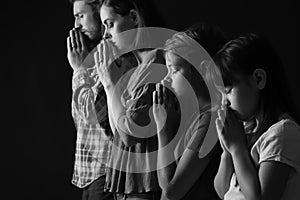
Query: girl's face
x=115 y=24
x=178 y=75
x=242 y=97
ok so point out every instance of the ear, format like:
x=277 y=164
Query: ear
x=134 y=17
x=260 y=78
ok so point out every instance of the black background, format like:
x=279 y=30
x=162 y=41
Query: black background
x=39 y=134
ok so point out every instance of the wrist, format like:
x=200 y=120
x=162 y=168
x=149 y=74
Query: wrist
x=165 y=136
x=238 y=150
x=225 y=155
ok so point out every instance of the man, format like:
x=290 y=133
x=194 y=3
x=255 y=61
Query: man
x=92 y=144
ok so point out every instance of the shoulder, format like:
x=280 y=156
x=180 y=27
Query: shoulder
x=285 y=128
x=201 y=120
x=154 y=55
x=279 y=143
x=198 y=127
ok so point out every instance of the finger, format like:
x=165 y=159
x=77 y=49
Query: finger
x=69 y=46
x=161 y=94
x=165 y=94
x=115 y=50
x=105 y=53
x=77 y=39
x=158 y=93
x=82 y=41
x=155 y=98
x=96 y=59
x=112 y=54
x=111 y=51
x=161 y=87
x=73 y=42
x=219 y=126
x=71 y=38
x=100 y=51
x=221 y=115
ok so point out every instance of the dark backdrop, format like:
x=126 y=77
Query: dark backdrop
x=39 y=134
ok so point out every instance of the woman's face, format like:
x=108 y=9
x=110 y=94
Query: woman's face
x=115 y=24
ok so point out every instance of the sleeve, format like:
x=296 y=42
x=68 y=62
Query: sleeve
x=199 y=134
x=281 y=144
x=137 y=121
x=84 y=96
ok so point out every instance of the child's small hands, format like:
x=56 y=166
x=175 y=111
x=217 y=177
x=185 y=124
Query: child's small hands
x=230 y=131
x=164 y=111
x=159 y=112
x=220 y=121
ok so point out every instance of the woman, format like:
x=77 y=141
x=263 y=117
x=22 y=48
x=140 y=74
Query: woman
x=130 y=174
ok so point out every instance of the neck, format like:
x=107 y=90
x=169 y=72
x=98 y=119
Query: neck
x=140 y=55
x=189 y=106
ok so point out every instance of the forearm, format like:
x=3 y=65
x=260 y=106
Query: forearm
x=246 y=173
x=124 y=117
x=83 y=98
x=224 y=174
x=176 y=179
x=166 y=164
x=165 y=176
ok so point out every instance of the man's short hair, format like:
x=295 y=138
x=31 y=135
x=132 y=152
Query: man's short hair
x=87 y=1
x=93 y=3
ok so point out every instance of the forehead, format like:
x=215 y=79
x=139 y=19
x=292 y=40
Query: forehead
x=81 y=6
x=106 y=12
x=174 y=59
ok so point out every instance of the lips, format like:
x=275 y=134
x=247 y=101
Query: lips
x=85 y=32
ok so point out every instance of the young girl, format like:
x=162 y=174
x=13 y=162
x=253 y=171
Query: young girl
x=265 y=163
x=182 y=172
x=129 y=174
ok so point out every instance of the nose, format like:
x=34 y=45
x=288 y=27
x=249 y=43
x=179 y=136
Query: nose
x=106 y=34
x=168 y=78
x=225 y=101
x=77 y=23
x=166 y=81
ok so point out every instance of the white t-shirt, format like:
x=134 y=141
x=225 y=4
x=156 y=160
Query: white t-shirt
x=281 y=143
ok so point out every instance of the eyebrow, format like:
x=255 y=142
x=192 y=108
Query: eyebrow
x=105 y=21
x=78 y=13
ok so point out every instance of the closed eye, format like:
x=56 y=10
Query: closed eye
x=78 y=15
x=228 y=90
x=109 y=23
x=174 y=68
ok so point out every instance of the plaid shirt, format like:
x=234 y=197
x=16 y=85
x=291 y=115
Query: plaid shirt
x=93 y=131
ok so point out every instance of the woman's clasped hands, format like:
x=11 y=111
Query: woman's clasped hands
x=108 y=64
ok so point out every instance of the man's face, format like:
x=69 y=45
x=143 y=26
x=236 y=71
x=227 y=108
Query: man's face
x=87 y=20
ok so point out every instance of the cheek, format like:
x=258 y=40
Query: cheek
x=244 y=103
x=124 y=27
x=87 y=21
x=179 y=84
x=125 y=40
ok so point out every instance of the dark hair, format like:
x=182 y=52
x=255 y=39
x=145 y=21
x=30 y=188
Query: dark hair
x=247 y=53
x=209 y=36
x=212 y=39
x=149 y=16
